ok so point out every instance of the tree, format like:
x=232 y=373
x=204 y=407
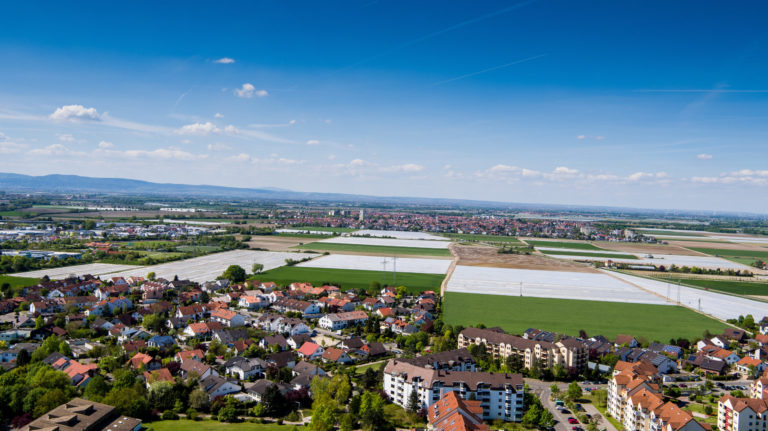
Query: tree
x=151 y=276
x=574 y=391
x=555 y=390
x=234 y=273
x=546 y=420
x=97 y=388
x=153 y=322
x=162 y=395
x=531 y=416
x=198 y=399
x=413 y=402
x=228 y=413
x=274 y=402
x=22 y=358
x=372 y=412
x=601 y=397
x=257 y=268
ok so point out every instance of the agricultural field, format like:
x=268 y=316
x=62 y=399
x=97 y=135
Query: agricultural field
x=727 y=286
x=375 y=263
x=475 y=237
x=16 y=282
x=351 y=279
x=575 y=245
x=208 y=425
x=719 y=305
x=675 y=232
x=547 y=284
x=94 y=269
x=374 y=249
x=486 y=256
x=207 y=268
x=386 y=242
x=668 y=260
x=324 y=229
x=397 y=234
x=745 y=257
x=589 y=253
x=568 y=316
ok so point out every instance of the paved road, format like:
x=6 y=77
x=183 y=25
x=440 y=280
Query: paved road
x=541 y=389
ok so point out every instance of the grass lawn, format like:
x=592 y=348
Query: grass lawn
x=401 y=418
x=208 y=425
x=735 y=287
x=576 y=253
x=18 y=281
x=382 y=249
x=568 y=316
x=745 y=257
x=324 y=229
x=481 y=238
x=563 y=244
x=350 y=278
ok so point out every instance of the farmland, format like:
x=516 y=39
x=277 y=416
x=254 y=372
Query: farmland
x=547 y=284
x=600 y=254
x=388 y=242
x=562 y=244
x=95 y=269
x=16 y=282
x=516 y=314
x=324 y=229
x=375 y=249
x=398 y=234
x=745 y=257
x=727 y=286
x=376 y=263
x=351 y=279
x=475 y=237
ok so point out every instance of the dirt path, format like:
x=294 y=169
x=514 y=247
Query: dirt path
x=449 y=273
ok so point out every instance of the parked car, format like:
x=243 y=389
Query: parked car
x=572 y=421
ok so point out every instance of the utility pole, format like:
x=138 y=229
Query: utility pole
x=678 y=292
x=521 y=288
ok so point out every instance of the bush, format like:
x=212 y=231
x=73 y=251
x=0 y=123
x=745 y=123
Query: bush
x=169 y=415
x=192 y=414
x=293 y=416
x=708 y=410
x=280 y=421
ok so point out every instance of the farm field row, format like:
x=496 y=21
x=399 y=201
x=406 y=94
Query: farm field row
x=482 y=238
x=745 y=257
x=324 y=229
x=377 y=249
x=397 y=234
x=591 y=253
x=547 y=284
x=95 y=269
x=351 y=279
x=516 y=314
x=668 y=260
x=376 y=263
x=576 y=245
x=387 y=242
x=727 y=286
x=719 y=305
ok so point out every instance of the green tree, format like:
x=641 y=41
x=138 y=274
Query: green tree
x=372 y=412
x=97 y=388
x=234 y=273
x=546 y=420
x=413 y=402
x=198 y=399
x=162 y=395
x=228 y=413
x=151 y=276
x=153 y=322
x=574 y=391
x=22 y=358
x=257 y=268
x=274 y=402
x=531 y=416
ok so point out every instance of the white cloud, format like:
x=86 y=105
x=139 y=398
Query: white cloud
x=218 y=146
x=705 y=180
x=55 y=150
x=581 y=137
x=408 y=168
x=66 y=138
x=9 y=147
x=106 y=145
x=170 y=153
x=75 y=113
x=313 y=142
x=218 y=115
x=566 y=170
x=199 y=129
x=332 y=157
x=224 y=60
x=248 y=90
x=704 y=156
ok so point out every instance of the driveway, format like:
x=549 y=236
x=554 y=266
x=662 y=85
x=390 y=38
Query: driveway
x=541 y=389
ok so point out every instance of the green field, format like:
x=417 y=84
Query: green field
x=563 y=244
x=727 y=286
x=669 y=233
x=745 y=257
x=576 y=253
x=568 y=316
x=381 y=249
x=18 y=281
x=200 y=248
x=324 y=229
x=208 y=425
x=481 y=238
x=351 y=278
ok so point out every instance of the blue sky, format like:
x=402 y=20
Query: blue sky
x=631 y=103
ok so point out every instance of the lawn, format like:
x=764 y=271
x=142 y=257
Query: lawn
x=745 y=257
x=576 y=253
x=350 y=278
x=482 y=238
x=516 y=314
x=18 y=281
x=324 y=229
x=208 y=425
x=380 y=249
x=563 y=244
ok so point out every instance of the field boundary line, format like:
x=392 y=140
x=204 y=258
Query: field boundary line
x=449 y=273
